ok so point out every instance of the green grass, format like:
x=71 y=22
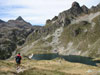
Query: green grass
x=46 y=67
x=84 y=38
x=32 y=37
x=68 y=34
x=35 y=71
x=39 y=47
x=49 y=39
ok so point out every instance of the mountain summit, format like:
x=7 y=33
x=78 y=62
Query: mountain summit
x=20 y=18
x=75 y=4
x=85 y=9
x=76 y=9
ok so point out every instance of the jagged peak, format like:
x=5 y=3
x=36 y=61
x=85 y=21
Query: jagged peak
x=75 y=9
x=20 y=18
x=75 y=4
x=84 y=7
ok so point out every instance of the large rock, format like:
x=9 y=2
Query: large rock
x=76 y=9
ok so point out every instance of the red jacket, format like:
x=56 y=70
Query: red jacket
x=19 y=55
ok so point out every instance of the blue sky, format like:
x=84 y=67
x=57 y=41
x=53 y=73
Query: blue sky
x=37 y=11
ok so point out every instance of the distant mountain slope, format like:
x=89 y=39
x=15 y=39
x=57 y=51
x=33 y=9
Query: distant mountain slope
x=12 y=35
x=73 y=32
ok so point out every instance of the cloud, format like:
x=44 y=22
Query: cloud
x=37 y=11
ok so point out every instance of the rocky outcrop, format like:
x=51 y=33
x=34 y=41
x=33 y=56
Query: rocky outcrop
x=95 y=8
x=65 y=17
x=75 y=9
x=85 y=9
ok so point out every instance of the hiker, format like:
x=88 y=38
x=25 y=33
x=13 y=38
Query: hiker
x=18 y=60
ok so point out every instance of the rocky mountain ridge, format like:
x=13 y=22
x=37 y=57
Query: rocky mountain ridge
x=66 y=17
x=68 y=33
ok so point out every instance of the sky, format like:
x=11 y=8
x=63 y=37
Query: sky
x=37 y=11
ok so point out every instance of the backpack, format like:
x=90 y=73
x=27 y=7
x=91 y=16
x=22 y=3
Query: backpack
x=18 y=58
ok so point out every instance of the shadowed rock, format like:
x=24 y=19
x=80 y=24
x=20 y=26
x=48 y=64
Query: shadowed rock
x=76 y=9
x=85 y=9
x=75 y=5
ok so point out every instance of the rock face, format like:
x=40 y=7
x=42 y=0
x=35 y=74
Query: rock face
x=76 y=9
x=65 y=17
x=85 y=9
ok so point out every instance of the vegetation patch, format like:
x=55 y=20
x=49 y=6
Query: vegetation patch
x=49 y=39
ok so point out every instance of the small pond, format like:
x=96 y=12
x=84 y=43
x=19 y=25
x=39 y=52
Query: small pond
x=70 y=58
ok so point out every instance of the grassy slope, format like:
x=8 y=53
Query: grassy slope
x=83 y=39
x=39 y=47
x=44 y=67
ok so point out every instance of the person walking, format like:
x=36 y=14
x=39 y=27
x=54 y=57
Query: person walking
x=18 y=60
